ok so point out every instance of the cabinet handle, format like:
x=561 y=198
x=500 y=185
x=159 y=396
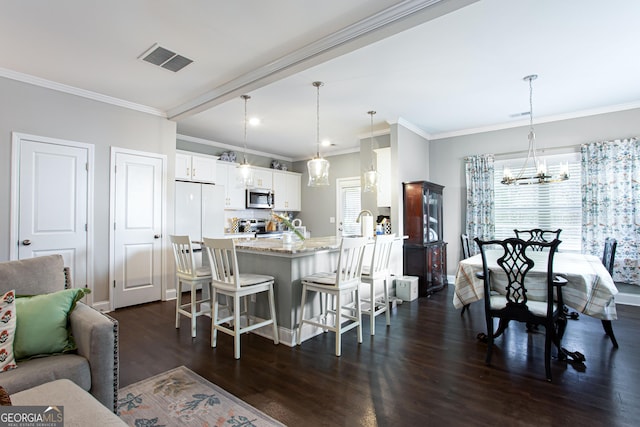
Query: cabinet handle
x=188 y=173
x=193 y=172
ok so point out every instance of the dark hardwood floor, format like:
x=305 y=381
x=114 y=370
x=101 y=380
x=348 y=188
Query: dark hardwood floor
x=426 y=369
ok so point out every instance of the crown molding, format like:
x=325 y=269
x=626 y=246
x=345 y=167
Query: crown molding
x=188 y=138
x=413 y=128
x=71 y=90
x=545 y=119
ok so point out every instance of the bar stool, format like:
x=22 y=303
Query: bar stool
x=345 y=281
x=378 y=271
x=189 y=274
x=227 y=280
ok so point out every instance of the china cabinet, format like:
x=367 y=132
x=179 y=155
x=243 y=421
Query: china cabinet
x=425 y=251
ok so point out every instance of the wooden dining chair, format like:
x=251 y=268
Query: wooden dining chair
x=538 y=235
x=515 y=304
x=345 y=281
x=227 y=280
x=608 y=258
x=189 y=274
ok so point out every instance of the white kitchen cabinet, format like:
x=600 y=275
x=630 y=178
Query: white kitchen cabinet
x=286 y=191
x=383 y=166
x=228 y=176
x=190 y=167
x=262 y=178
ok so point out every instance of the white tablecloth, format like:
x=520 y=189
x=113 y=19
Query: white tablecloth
x=590 y=288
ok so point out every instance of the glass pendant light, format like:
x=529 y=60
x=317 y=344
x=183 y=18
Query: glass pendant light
x=318 y=167
x=371 y=176
x=246 y=173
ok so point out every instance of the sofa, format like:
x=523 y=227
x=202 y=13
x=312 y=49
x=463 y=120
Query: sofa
x=93 y=365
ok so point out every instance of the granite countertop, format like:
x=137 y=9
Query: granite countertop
x=277 y=246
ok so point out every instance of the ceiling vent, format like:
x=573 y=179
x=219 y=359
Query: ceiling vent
x=165 y=58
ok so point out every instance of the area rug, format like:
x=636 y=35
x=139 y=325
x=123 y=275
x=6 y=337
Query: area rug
x=180 y=397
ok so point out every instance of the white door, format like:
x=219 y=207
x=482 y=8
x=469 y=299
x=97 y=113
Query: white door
x=137 y=243
x=348 y=206
x=51 y=191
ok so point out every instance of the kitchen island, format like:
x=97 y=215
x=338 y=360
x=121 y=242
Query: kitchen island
x=287 y=263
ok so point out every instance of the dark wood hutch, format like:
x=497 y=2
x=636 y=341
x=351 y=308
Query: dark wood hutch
x=425 y=251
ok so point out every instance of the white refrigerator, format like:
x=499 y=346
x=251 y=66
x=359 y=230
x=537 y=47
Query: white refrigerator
x=199 y=210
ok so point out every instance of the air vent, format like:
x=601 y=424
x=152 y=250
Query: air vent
x=165 y=58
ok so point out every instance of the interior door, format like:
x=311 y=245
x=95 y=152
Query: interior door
x=51 y=202
x=138 y=226
x=348 y=206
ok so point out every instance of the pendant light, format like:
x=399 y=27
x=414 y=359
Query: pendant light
x=246 y=173
x=371 y=176
x=318 y=167
x=541 y=176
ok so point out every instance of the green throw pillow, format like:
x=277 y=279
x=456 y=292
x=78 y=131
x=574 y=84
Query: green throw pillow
x=42 y=323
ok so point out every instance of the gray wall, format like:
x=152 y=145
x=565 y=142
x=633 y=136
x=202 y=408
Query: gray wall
x=369 y=200
x=409 y=162
x=447 y=167
x=319 y=203
x=38 y=111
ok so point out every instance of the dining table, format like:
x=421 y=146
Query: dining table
x=589 y=289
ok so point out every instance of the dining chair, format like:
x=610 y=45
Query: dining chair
x=466 y=253
x=538 y=235
x=608 y=258
x=466 y=248
x=378 y=271
x=189 y=274
x=228 y=281
x=337 y=286
x=514 y=304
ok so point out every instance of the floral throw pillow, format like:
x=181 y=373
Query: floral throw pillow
x=7 y=330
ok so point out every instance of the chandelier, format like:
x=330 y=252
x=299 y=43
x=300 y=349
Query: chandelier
x=542 y=175
x=318 y=167
x=246 y=173
x=371 y=176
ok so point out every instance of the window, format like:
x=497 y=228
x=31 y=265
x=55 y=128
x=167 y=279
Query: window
x=545 y=206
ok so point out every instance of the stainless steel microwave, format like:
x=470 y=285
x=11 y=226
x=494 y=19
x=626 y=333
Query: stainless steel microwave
x=259 y=198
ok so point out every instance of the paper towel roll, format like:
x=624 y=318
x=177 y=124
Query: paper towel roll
x=366 y=226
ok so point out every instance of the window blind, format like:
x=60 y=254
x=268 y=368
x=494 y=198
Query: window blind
x=546 y=206
x=350 y=209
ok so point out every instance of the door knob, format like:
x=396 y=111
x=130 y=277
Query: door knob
x=157 y=236
x=26 y=242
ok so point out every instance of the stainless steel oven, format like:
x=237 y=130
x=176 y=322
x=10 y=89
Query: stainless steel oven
x=258 y=198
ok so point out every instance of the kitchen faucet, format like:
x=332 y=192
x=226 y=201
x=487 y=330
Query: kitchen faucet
x=365 y=211
x=366 y=226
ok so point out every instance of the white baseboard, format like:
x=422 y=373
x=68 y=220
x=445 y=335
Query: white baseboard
x=628 y=299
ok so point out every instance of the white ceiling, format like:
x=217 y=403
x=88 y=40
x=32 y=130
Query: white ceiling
x=441 y=67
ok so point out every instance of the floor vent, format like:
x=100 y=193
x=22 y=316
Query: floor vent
x=158 y=55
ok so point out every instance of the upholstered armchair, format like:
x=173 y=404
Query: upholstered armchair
x=93 y=365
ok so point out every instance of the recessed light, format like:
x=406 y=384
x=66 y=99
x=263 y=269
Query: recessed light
x=254 y=121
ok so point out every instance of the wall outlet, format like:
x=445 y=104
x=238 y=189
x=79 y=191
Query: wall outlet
x=253 y=298
x=332 y=220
